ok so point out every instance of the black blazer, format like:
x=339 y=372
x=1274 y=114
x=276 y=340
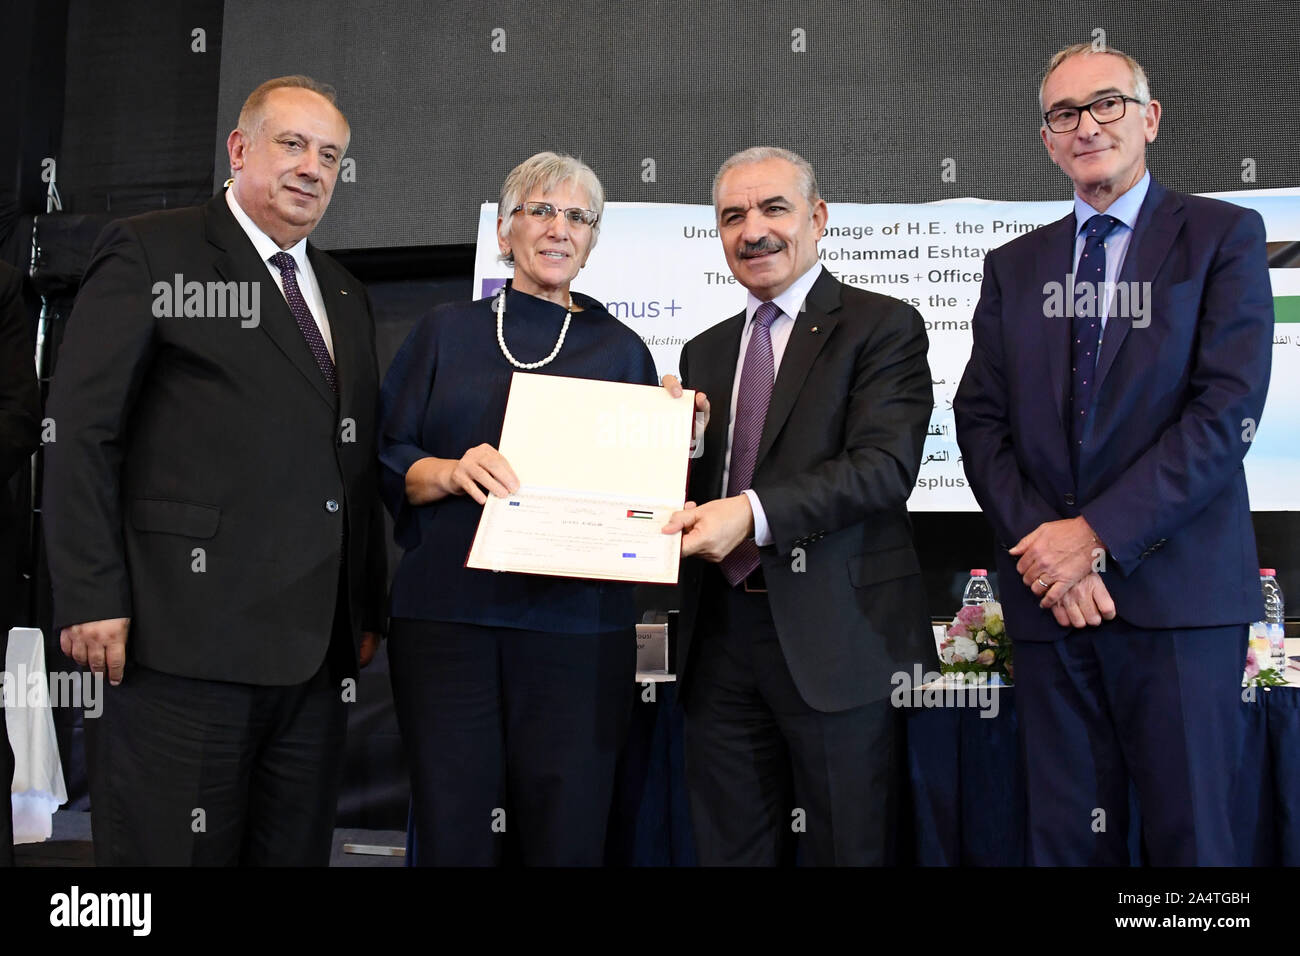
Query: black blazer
x=20 y=415
x=838 y=458
x=205 y=481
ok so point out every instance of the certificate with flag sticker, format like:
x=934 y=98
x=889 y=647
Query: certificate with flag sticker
x=601 y=466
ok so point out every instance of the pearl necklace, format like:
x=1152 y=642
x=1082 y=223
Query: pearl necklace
x=499 y=306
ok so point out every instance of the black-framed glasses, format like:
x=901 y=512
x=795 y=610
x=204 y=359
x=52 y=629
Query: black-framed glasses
x=545 y=212
x=1107 y=109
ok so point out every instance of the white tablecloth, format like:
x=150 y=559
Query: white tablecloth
x=38 y=789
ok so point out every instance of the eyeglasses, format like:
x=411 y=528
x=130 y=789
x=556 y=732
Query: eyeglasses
x=545 y=212
x=1105 y=110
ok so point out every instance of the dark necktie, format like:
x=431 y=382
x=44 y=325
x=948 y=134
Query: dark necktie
x=1085 y=339
x=302 y=315
x=756 y=380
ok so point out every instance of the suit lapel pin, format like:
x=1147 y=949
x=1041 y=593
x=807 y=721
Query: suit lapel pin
x=343 y=291
x=813 y=329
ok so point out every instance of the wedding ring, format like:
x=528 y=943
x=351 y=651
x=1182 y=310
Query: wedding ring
x=1044 y=583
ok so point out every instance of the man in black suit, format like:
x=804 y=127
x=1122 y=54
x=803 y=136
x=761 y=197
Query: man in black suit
x=20 y=414
x=211 y=493
x=802 y=591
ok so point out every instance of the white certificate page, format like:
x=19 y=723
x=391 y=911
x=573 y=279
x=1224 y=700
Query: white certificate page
x=601 y=467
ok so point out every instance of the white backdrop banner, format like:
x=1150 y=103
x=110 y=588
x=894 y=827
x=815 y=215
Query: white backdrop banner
x=661 y=270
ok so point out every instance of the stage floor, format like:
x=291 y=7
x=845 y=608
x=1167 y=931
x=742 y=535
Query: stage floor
x=70 y=845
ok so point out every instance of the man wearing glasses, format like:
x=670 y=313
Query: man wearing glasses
x=1104 y=440
x=511 y=690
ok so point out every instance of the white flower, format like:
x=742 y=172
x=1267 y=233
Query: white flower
x=993 y=619
x=962 y=649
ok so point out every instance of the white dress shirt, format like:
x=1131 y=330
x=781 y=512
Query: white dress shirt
x=1125 y=209
x=791 y=303
x=307 y=285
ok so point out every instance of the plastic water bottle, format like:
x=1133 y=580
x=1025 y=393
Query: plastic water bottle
x=1274 y=622
x=978 y=590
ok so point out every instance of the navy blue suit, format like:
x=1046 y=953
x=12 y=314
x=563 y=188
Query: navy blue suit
x=1160 y=479
x=512 y=691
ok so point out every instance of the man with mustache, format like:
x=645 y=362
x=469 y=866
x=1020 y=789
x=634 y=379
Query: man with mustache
x=801 y=589
x=211 y=506
x=1105 y=447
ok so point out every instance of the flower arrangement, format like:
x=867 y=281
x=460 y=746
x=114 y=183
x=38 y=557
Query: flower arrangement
x=976 y=643
x=1257 y=676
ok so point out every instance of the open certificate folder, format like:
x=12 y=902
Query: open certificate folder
x=601 y=466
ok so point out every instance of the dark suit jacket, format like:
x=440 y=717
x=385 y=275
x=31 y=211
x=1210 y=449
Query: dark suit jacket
x=20 y=414
x=1160 y=472
x=20 y=417
x=839 y=456
x=20 y=422
x=185 y=433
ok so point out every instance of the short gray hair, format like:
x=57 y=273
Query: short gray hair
x=544 y=171
x=759 y=154
x=1141 y=88
x=254 y=110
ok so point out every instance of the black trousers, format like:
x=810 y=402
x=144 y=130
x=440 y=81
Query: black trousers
x=190 y=772
x=205 y=773
x=511 y=732
x=770 y=779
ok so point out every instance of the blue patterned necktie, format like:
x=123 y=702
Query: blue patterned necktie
x=302 y=315
x=756 y=380
x=1085 y=340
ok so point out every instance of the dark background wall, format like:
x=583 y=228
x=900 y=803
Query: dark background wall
x=139 y=104
x=116 y=92
x=884 y=93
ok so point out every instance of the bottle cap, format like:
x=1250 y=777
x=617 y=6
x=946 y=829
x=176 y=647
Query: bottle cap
x=978 y=573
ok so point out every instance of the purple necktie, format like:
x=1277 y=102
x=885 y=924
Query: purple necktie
x=756 y=380
x=302 y=315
